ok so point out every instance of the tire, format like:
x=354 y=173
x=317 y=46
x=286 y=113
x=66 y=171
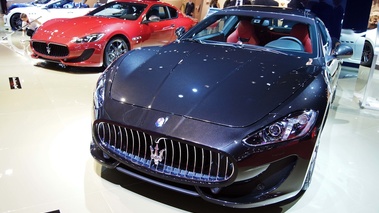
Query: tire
x=114 y=49
x=367 y=54
x=15 y=22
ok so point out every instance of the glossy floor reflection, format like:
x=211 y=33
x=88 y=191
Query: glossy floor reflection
x=45 y=164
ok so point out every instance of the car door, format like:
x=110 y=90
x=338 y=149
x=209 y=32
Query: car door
x=161 y=26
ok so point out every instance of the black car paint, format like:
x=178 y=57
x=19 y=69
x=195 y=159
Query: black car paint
x=143 y=86
x=191 y=74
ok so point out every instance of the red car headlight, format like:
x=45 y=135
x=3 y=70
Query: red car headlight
x=88 y=38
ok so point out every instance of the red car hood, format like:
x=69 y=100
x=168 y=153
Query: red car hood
x=64 y=30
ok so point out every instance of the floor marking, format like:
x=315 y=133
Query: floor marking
x=15 y=83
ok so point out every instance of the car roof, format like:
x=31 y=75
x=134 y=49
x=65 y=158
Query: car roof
x=140 y=1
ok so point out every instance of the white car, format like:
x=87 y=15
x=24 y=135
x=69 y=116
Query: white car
x=11 y=4
x=53 y=9
x=363 y=44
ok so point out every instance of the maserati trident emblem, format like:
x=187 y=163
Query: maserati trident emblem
x=48 y=50
x=157 y=155
x=161 y=121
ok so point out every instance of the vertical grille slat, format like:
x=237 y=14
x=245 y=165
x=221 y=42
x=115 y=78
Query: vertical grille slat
x=175 y=158
x=172 y=157
x=218 y=163
x=180 y=155
x=210 y=165
x=202 y=162
x=127 y=141
x=132 y=140
x=139 y=144
x=187 y=157
x=121 y=132
x=115 y=136
x=194 y=162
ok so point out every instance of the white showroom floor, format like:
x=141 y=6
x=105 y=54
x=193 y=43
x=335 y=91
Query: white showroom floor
x=46 y=166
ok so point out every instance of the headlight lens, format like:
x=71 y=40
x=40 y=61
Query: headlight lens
x=88 y=38
x=291 y=127
x=98 y=96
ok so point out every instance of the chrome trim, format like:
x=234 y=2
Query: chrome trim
x=182 y=160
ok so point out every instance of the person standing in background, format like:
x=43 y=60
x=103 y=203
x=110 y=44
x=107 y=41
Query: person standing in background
x=266 y=2
x=336 y=19
x=226 y=4
x=4 y=7
x=238 y=3
x=214 y=4
x=190 y=8
x=300 y=4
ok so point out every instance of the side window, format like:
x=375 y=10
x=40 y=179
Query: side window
x=173 y=13
x=157 y=13
x=153 y=14
x=163 y=13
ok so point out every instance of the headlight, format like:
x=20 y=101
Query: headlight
x=291 y=127
x=88 y=38
x=98 y=95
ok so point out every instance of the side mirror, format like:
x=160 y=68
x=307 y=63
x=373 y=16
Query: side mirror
x=180 y=32
x=154 y=18
x=342 y=51
x=151 y=19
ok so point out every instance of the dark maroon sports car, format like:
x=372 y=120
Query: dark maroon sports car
x=232 y=111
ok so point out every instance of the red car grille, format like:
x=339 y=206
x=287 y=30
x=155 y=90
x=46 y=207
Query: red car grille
x=50 y=49
x=181 y=160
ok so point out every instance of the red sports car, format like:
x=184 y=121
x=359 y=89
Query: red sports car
x=98 y=38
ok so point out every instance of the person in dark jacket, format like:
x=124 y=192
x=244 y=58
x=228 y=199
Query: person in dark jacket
x=237 y=3
x=190 y=8
x=266 y=2
x=4 y=6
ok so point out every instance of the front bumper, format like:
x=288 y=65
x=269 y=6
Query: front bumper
x=77 y=55
x=277 y=181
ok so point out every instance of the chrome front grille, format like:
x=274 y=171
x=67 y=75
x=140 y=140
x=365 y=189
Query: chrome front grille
x=50 y=49
x=165 y=156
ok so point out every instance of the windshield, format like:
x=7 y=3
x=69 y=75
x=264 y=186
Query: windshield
x=281 y=34
x=122 y=10
x=41 y=1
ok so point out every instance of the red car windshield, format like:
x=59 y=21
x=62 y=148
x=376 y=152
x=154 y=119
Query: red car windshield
x=122 y=10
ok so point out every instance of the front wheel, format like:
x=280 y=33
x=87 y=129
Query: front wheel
x=15 y=21
x=114 y=49
x=367 y=54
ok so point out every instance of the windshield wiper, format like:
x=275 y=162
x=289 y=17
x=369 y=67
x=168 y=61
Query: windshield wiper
x=193 y=40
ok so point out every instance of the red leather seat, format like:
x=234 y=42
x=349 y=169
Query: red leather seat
x=301 y=32
x=244 y=33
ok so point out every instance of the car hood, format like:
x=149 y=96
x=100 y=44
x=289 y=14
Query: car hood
x=57 y=30
x=223 y=85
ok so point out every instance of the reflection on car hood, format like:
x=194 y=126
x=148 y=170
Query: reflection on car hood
x=57 y=29
x=219 y=84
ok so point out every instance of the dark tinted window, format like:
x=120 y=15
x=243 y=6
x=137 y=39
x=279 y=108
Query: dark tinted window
x=173 y=12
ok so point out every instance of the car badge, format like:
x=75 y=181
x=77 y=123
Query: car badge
x=48 y=50
x=156 y=154
x=161 y=121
